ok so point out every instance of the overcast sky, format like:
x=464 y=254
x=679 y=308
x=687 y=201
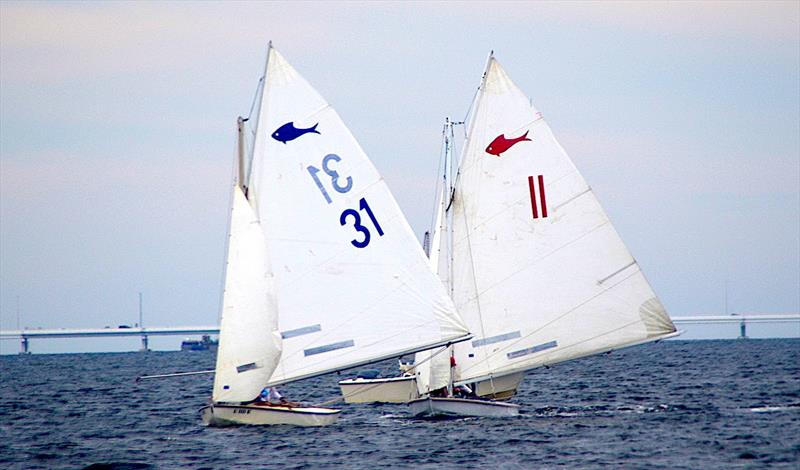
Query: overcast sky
x=117 y=133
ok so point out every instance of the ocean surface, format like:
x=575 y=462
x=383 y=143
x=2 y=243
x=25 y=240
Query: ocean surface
x=676 y=404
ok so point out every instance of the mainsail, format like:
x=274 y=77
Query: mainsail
x=249 y=347
x=539 y=273
x=352 y=280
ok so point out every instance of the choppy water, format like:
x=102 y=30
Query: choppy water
x=676 y=404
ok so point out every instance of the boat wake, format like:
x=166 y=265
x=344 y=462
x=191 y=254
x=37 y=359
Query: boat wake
x=776 y=408
x=599 y=410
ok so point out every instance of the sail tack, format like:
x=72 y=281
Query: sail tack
x=353 y=282
x=539 y=273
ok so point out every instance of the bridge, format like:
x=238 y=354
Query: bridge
x=24 y=336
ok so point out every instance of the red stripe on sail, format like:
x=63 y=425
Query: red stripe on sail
x=533 y=197
x=541 y=196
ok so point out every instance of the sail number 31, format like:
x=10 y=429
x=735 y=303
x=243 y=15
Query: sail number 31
x=344 y=187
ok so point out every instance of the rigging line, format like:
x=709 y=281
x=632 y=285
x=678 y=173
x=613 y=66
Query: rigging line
x=453 y=152
x=440 y=169
x=536 y=261
x=333 y=330
x=344 y=353
x=369 y=388
x=175 y=374
x=475 y=96
x=255 y=97
x=524 y=198
x=502 y=349
x=224 y=273
x=511 y=370
x=474 y=279
x=351 y=365
x=472 y=104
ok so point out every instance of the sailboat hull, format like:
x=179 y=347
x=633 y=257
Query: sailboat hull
x=461 y=407
x=499 y=388
x=233 y=415
x=404 y=389
x=389 y=390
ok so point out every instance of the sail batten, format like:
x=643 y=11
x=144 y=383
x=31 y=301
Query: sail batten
x=351 y=365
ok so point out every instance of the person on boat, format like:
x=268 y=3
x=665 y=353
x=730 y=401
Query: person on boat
x=271 y=395
x=463 y=391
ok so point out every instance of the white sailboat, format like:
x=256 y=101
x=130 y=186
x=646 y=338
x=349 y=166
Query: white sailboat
x=533 y=263
x=324 y=272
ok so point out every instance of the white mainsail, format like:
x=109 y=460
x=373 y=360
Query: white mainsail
x=249 y=346
x=539 y=273
x=352 y=280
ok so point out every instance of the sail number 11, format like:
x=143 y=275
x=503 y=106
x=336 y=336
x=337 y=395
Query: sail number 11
x=344 y=188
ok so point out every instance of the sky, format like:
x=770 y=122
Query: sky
x=117 y=136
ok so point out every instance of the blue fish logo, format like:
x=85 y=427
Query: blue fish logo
x=288 y=132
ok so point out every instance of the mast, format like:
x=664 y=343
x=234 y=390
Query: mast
x=448 y=232
x=473 y=111
x=240 y=154
x=258 y=104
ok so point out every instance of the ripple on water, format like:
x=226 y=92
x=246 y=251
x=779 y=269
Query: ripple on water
x=676 y=404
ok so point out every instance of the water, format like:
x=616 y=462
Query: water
x=675 y=404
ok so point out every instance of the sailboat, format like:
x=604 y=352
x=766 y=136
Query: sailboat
x=323 y=271
x=532 y=261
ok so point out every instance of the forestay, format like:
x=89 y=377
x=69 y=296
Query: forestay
x=249 y=344
x=432 y=367
x=539 y=273
x=353 y=282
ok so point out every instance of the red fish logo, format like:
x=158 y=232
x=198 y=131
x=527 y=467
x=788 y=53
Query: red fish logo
x=500 y=144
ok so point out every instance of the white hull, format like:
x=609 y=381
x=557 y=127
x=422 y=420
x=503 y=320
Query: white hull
x=231 y=415
x=499 y=388
x=404 y=389
x=388 y=390
x=430 y=407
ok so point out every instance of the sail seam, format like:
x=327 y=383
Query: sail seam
x=616 y=272
x=523 y=200
x=527 y=124
x=511 y=370
x=587 y=191
x=332 y=330
x=534 y=262
x=474 y=279
x=505 y=348
x=437 y=344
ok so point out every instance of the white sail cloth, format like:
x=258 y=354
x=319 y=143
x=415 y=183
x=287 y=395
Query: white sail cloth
x=352 y=280
x=249 y=344
x=539 y=273
x=432 y=368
